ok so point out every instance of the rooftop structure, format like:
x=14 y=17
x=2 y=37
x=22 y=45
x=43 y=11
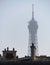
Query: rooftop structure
x=9 y=54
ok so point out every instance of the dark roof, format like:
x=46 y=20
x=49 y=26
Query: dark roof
x=25 y=63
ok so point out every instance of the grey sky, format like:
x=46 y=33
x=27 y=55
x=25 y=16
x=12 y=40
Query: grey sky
x=14 y=18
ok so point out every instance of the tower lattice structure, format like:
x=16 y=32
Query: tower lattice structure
x=33 y=27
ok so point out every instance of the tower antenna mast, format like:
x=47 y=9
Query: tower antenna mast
x=32 y=11
x=33 y=27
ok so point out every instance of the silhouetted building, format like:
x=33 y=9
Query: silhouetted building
x=33 y=52
x=9 y=54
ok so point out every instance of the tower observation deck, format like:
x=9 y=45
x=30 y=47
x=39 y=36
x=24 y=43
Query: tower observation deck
x=32 y=26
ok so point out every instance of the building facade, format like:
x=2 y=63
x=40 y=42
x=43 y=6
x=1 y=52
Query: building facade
x=9 y=54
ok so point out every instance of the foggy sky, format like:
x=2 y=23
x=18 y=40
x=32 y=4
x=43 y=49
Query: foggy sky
x=14 y=18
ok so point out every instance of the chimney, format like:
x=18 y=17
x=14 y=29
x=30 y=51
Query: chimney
x=13 y=49
x=7 y=48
